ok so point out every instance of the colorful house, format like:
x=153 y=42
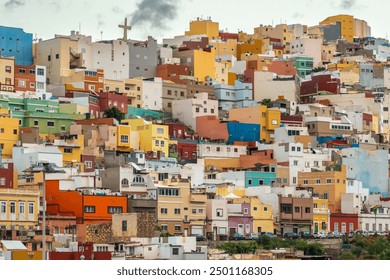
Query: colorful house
x=321 y=215
x=9 y=133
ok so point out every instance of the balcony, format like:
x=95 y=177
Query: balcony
x=198 y=198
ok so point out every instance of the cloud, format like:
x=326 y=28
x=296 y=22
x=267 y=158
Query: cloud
x=297 y=15
x=117 y=10
x=10 y=4
x=348 y=4
x=154 y=13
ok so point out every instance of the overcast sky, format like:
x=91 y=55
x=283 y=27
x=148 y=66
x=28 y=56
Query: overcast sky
x=166 y=18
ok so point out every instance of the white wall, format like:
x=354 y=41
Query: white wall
x=266 y=88
x=152 y=94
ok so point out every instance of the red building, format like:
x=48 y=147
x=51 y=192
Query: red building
x=84 y=252
x=318 y=83
x=339 y=220
x=225 y=36
x=25 y=78
x=187 y=150
x=89 y=162
x=6 y=175
x=210 y=127
x=282 y=68
x=108 y=100
x=172 y=72
x=196 y=45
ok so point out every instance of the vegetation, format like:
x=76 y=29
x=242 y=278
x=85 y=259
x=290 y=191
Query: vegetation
x=115 y=113
x=267 y=243
x=375 y=247
x=266 y=102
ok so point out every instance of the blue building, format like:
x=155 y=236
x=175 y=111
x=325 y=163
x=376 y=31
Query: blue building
x=237 y=96
x=243 y=132
x=369 y=76
x=15 y=42
x=258 y=178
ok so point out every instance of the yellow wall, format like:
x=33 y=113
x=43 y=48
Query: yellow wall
x=253 y=47
x=77 y=146
x=347 y=25
x=18 y=196
x=222 y=72
x=232 y=78
x=224 y=190
x=122 y=144
x=133 y=89
x=111 y=85
x=321 y=214
x=228 y=47
x=334 y=189
x=206 y=27
x=204 y=64
x=262 y=217
x=9 y=134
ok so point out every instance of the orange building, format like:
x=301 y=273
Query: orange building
x=87 y=209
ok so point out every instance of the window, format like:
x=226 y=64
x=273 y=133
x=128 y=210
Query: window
x=177 y=211
x=177 y=227
x=261 y=182
x=88 y=164
x=115 y=209
x=138 y=179
x=246 y=211
x=32 y=71
x=219 y=212
x=12 y=205
x=305 y=182
x=125 y=182
x=318 y=181
x=63 y=128
x=162 y=143
x=197 y=110
x=175 y=251
x=250 y=182
x=2 y=181
x=307 y=210
x=49 y=58
x=157 y=143
x=31 y=208
x=124 y=225
x=164 y=211
x=315 y=205
x=295 y=163
x=50 y=123
x=68 y=150
x=89 y=209
x=164 y=227
x=325 y=195
x=36 y=123
x=169 y=92
x=160 y=130
x=343 y=227
x=57 y=56
x=3 y=207
x=296 y=209
x=265 y=209
x=193 y=211
x=286 y=208
x=124 y=139
x=22 y=71
x=8 y=69
x=40 y=85
x=351 y=227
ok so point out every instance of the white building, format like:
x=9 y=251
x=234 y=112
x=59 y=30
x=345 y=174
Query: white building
x=267 y=86
x=152 y=94
x=113 y=57
x=216 y=212
x=186 y=110
x=220 y=151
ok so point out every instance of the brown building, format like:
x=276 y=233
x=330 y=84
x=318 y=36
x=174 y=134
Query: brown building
x=296 y=214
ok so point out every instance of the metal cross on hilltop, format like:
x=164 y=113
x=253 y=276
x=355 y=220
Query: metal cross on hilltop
x=125 y=29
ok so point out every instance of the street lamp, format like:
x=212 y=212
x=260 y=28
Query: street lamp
x=44 y=167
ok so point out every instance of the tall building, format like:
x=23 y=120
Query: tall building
x=17 y=43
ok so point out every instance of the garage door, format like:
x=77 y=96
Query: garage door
x=197 y=230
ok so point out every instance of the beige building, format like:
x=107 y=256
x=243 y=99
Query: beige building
x=128 y=225
x=7 y=73
x=171 y=92
x=133 y=90
x=180 y=211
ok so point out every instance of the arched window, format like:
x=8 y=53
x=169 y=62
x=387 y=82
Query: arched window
x=138 y=179
x=125 y=182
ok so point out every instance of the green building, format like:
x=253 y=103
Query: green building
x=304 y=65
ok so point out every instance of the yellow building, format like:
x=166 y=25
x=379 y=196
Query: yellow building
x=9 y=133
x=280 y=31
x=204 y=65
x=228 y=47
x=19 y=208
x=263 y=219
x=153 y=137
x=321 y=215
x=181 y=212
x=268 y=118
x=71 y=148
x=326 y=185
x=114 y=85
x=7 y=73
x=123 y=138
x=347 y=24
x=224 y=190
x=204 y=27
x=251 y=47
x=222 y=72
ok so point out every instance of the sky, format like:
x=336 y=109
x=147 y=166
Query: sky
x=167 y=18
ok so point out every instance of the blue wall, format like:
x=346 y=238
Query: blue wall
x=254 y=177
x=15 y=42
x=243 y=132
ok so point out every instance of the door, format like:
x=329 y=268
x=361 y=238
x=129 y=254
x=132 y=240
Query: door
x=197 y=230
x=240 y=229
x=315 y=227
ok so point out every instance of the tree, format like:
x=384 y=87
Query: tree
x=114 y=113
x=266 y=102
